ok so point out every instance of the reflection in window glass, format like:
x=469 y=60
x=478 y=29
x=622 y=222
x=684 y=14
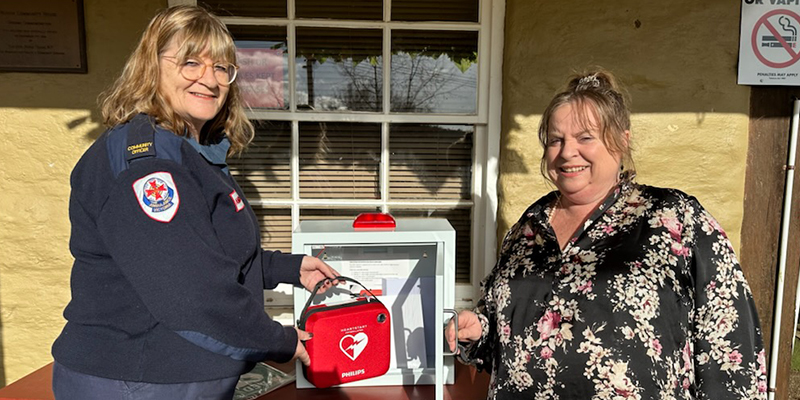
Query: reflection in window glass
x=430 y=161
x=263 y=59
x=246 y=8
x=460 y=219
x=440 y=10
x=339 y=160
x=434 y=71
x=263 y=169
x=351 y=9
x=339 y=69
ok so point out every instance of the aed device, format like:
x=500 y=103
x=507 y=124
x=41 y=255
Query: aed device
x=409 y=265
x=351 y=340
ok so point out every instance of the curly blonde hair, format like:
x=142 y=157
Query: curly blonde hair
x=136 y=89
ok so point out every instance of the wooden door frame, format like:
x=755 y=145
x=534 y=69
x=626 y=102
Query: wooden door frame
x=768 y=143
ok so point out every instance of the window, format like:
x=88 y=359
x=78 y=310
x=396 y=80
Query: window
x=366 y=105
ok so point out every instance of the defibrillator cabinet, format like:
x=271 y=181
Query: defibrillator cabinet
x=411 y=269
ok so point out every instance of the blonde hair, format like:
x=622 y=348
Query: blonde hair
x=599 y=90
x=195 y=30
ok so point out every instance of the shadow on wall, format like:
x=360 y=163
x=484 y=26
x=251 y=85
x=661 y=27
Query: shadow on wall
x=93 y=118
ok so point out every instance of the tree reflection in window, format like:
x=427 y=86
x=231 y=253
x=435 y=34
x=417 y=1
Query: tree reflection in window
x=434 y=71
x=334 y=66
x=431 y=71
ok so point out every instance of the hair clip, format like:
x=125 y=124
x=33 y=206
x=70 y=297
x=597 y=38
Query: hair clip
x=590 y=81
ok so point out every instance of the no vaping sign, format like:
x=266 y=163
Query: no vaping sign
x=769 y=51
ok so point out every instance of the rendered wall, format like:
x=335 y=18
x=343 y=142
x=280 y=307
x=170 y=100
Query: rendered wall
x=678 y=60
x=46 y=122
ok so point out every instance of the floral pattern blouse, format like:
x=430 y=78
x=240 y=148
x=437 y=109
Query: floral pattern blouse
x=646 y=301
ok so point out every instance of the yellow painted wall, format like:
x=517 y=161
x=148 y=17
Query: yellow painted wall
x=46 y=122
x=678 y=60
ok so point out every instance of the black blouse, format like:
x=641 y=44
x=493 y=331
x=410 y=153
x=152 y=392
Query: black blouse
x=646 y=301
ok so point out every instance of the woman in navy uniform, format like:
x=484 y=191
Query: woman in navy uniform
x=168 y=280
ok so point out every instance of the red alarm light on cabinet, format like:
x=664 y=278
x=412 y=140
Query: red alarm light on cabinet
x=374 y=221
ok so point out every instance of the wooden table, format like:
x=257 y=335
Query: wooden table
x=34 y=386
x=469 y=385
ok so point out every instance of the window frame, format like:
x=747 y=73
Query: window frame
x=486 y=139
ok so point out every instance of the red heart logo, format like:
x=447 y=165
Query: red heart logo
x=353 y=345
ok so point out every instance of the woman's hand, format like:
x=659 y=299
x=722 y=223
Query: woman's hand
x=313 y=270
x=469 y=329
x=300 y=353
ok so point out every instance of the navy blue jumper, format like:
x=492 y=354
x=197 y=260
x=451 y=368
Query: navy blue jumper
x=169 y=275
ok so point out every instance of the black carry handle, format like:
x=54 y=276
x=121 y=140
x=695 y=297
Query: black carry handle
x=322 y=282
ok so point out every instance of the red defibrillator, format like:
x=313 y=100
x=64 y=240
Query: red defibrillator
x=351 y=341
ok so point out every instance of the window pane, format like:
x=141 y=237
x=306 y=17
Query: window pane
x=246 y=8
x=276 y=228
x=339 y=69
x=339 y=160
x=441 y=10
x=263 y=169
x=461 y=219
x=434 y=71
x=430 y=161
x=352 y=9
x=263 y=59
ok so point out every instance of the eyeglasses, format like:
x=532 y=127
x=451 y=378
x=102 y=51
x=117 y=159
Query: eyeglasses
x=192 y=70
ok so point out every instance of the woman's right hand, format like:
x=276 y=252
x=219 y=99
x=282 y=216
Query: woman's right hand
x=300 y=353
x=469 y=329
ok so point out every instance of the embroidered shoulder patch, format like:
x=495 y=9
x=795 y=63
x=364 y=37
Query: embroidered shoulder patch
x=237 y=201
x=157 y=195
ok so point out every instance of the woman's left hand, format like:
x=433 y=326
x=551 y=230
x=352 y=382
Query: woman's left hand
x=313 y=270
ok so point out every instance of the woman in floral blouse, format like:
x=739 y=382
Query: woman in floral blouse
x=608 y=289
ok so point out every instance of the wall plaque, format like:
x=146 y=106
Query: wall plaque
x=42 y=36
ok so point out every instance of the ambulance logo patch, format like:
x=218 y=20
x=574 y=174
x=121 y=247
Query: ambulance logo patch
x=237 y=201
x=158 y=196
x=353 y=345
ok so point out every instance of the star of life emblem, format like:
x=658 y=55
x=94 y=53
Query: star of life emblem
x=157 y=196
